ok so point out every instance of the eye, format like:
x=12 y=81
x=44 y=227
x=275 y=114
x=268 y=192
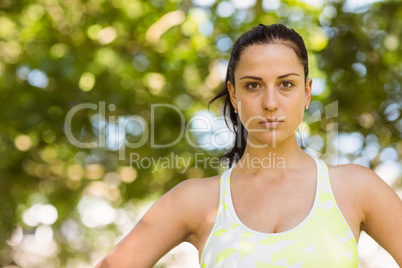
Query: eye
x=252 y=85
x=287 y=84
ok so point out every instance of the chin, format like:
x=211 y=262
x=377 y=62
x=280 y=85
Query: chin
x=271 y=138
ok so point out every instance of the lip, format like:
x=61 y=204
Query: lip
x=272 y=122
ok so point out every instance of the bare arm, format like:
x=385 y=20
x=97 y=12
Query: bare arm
x=383 y=213
x=166 y=224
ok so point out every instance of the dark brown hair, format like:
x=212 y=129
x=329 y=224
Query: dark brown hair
x=261 y=34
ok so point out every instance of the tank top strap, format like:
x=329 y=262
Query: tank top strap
x=323 y=176
x=224 y=190
x=329 y=200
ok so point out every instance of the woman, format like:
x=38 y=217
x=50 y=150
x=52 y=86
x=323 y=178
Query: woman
x=297 y=213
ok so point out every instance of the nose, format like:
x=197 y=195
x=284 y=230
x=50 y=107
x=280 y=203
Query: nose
x=269 y=100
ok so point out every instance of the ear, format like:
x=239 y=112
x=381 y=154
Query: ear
x=307 y=92
x=232 y=94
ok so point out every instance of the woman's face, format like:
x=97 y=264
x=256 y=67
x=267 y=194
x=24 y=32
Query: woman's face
x=270 y=92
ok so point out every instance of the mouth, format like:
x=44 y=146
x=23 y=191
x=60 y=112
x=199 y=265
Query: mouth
x=272 y=122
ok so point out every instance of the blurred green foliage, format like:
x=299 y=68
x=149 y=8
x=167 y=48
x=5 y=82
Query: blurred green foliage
x=125 y=56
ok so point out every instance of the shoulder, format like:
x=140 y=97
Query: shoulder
x=354 y=171
x=186 y=203
x=195 y=198
x=363 y=186
x=196 y=188
x=354 y=175
x=380 y=206
x=357 y=179
x=346 y=183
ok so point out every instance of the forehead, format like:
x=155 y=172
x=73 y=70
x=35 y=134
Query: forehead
x=269 y=58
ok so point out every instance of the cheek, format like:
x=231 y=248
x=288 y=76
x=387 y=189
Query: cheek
x=298 y=109
x=248 y=104
x=248 y=109
x=298 y=102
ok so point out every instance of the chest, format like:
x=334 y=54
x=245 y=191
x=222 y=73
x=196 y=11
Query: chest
x=274 y=207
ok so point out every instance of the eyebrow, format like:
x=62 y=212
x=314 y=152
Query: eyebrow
x=251 y=77
x=286 y=75
x=260 y=79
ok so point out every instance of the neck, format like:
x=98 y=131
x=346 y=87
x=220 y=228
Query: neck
x=283 y=155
